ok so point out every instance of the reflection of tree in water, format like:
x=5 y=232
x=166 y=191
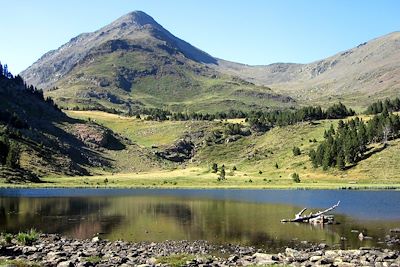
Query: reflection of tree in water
x=149 y=218
x=181 y=212
x=77 y=217
x=252 y=224
x=216 y=221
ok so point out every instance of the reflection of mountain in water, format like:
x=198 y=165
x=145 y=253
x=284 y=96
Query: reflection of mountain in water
x=79 y=217
x=159 y=218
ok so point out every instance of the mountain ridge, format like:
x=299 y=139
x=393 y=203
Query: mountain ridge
x=154 y=57
x=367 y=62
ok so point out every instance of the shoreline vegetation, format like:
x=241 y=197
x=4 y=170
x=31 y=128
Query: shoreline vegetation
x=57 y=250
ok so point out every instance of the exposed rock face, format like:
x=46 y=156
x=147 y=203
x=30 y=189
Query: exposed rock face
x=97 y=136
x=93 y=134
x=182 y=150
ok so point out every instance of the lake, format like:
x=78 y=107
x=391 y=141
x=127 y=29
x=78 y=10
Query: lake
x=247 y=217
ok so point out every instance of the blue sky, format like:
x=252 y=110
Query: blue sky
x=247 y=31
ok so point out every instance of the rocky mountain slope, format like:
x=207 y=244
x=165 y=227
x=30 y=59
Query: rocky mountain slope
x=134 y=62
x=37 y=139
x=356 y=76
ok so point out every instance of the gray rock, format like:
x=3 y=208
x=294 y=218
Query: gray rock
x=315 y=258
x=65 y=264
x=233 y=258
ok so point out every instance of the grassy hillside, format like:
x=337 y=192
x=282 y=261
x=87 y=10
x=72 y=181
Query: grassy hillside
x=135 y=62
x=144 y=133
x=42 y=140
x=249 y=155
x=135 y=79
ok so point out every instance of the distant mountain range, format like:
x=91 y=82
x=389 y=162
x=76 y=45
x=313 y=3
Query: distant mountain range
x=366 y=72
x=134 y=63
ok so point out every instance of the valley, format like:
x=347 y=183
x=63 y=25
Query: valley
x=139 y=107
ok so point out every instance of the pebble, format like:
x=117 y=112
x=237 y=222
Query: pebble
x=54 y=250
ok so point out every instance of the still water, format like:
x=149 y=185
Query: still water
x=247 y=217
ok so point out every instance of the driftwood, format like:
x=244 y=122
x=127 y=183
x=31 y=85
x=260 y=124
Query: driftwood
x=313 y=217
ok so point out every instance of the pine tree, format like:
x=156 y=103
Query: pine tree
x=222 y=173
x=362 y=137
x=312 y=156
x=340 y=160
x=12 y=159
x=214 y=168
x=4 y=148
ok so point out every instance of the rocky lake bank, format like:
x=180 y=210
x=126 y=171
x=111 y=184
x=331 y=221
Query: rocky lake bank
x=56 y=250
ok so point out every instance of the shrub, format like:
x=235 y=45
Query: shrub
x=222 y=173
x=296 y=151
x=214 y=168
x=28 y=238
x=295 y=177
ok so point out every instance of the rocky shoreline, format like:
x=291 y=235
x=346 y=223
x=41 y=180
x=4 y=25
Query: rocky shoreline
x=56 y=250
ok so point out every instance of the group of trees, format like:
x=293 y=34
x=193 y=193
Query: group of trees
x=9 y=152
x=222 y=173
x=388 y=105
x=348 y=143
x=266 y=120
x=258 y=120
x=162 y=115
x=7 y=80
x=95 y=107
x=12 y=119
x=4 y=71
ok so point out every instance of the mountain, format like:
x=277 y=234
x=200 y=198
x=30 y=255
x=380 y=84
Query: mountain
x=38 y=139
x=357 y=76
x=133 y=63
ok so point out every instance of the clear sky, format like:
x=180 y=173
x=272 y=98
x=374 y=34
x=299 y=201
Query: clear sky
x=247 y=31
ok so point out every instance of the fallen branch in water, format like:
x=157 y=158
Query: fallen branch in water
x=305 y=219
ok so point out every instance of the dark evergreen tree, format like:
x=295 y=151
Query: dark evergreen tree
x=214 y=168
x=296 y=151
x=4 y=148
x=222 y=173
x=12 y=159
x=340 y=161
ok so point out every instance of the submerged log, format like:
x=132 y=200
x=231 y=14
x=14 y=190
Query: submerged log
x=313 y=217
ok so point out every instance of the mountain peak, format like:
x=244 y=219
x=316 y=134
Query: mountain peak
x=137 y=19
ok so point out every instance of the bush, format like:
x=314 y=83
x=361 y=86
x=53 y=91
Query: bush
x=6 y=238
x=222 y=174
x=296 y=151
x=27 y=238
x=214 y=168
x=295 y=177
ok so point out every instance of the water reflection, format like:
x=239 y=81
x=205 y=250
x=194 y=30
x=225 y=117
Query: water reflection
x=165 y=217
